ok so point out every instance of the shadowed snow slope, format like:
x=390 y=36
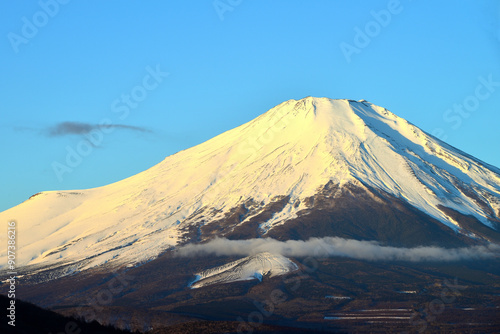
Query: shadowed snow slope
x=289 y=152
x=248 y=268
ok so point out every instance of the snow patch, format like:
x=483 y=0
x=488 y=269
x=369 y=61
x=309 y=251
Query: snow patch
x=252 y=267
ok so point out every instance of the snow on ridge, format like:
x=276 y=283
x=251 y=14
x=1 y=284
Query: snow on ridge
x=251 y=267
x=292 y=150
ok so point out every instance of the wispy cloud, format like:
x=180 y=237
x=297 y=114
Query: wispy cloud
x=80 y=128
x=333 y=246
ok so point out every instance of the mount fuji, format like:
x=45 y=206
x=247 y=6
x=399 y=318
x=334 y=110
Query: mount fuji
x=314 y=167
x=318 y=214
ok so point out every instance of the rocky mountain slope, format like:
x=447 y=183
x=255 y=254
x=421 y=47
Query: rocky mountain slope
x=312 y=167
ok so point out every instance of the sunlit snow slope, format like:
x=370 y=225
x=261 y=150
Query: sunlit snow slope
x=248 y=268
x=292 y=150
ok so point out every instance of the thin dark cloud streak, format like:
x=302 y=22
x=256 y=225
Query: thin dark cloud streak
x=80 y=128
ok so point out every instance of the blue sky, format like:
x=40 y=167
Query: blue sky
x=171 y=74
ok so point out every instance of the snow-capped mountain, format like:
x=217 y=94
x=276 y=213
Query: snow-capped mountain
x=251 y=267
x=298 y=161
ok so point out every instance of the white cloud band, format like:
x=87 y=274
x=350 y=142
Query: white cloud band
x=333 y=246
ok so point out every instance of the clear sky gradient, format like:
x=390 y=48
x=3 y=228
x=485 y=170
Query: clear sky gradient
x=69 y=66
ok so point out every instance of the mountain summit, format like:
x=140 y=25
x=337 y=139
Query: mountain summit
x=310 y=167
